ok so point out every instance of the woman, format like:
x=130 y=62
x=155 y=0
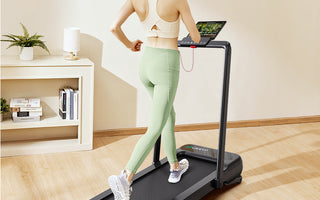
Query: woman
x=159 y=70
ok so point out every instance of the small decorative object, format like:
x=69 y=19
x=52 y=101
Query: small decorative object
x=25 y=109
x=71 y=42
x=4 y=108
x=26 y=43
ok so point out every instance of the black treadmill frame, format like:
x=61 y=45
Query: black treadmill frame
x=219 y=182
x=224 y=110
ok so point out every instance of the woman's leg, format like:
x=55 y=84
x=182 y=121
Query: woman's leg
x=161 y=107
x=168 y=140
x=159 y=72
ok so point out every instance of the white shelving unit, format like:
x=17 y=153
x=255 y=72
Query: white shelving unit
x=42 y=78
x=44 y=122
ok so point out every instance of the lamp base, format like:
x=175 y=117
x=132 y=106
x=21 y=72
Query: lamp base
x=71 y=56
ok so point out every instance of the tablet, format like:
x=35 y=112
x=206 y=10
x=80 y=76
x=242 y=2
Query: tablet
x=210 y=28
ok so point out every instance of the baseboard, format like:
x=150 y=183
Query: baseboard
x=213 y=125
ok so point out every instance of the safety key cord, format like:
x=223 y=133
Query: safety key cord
x=193 y=47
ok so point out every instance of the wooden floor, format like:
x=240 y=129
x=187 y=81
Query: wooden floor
x=280 y=162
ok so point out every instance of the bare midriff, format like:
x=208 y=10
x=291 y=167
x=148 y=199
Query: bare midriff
x=159 y=42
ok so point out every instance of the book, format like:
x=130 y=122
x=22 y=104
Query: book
x=71 y=104
x=67 y=103
x=24 y=102
x=76 y=100
x=17 y=102
x=26 y=119
x=26 y=114
x=34 y=102
x=62 y=105
x=24 y=109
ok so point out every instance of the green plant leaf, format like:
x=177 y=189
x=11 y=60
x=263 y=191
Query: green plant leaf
x=6 y=40
x=13 y=44
x=35 y=36
x=25 y=31
x=20 y=37
x=25 y=40
x=10 y=36
x=42 y=45
x=4 y=106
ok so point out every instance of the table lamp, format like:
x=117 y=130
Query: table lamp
x=71 y=42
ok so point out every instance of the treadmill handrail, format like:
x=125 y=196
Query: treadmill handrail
x=223 y=116
x=224 y=106
x=224 y=110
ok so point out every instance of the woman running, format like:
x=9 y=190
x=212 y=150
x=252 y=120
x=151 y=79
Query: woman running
x=159 y=70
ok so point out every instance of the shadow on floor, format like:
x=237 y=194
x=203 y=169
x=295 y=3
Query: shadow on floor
x=103 y=141
x=275 y=141
x=299 y=167
x=216 y=193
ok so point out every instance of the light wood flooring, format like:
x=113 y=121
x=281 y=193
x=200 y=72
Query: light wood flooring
x=280 y=162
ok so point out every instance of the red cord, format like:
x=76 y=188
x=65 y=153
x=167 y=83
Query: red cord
x=193 y=47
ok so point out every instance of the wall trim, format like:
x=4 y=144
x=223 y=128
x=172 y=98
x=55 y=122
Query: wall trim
x=213 y=125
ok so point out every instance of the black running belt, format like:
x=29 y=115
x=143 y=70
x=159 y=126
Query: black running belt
x=155 y=185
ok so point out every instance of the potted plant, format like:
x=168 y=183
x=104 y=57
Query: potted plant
x=4 y=108
x=26 y=43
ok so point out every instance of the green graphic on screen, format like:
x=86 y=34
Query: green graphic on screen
x=210 y=29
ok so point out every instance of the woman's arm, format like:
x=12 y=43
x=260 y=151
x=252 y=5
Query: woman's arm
x=126 y=10
x=184 y=9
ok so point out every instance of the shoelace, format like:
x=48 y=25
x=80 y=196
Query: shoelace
x=118 y=196
x=130 y=191
x=127 y=192
x=174 y=174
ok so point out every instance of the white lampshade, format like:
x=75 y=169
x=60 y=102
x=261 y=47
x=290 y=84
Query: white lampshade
x=71 y=40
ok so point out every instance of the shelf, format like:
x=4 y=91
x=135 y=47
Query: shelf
x=54 y=121
x=47 y=146
x=42 y=78
x=43 y=60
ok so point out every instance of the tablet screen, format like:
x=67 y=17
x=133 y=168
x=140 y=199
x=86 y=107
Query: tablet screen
x=210 y=28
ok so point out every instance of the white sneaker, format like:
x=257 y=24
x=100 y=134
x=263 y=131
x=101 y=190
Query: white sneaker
x=175 y=174
x=120 y=186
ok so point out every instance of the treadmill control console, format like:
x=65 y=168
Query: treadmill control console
x=208 y=152
x=199 y=150
x=187 y=42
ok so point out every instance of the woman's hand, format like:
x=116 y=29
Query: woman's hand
x=135 y=45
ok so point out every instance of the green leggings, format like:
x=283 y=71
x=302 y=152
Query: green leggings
x=159 y=70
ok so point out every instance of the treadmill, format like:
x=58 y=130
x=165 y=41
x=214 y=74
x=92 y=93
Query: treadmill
x=209 y=168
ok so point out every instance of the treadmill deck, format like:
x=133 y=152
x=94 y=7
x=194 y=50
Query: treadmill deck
x=155 y=185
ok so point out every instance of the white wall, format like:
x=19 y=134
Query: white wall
x=275 y=68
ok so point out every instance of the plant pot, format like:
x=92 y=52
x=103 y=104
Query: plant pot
x=26 y=53
x=1 y=117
